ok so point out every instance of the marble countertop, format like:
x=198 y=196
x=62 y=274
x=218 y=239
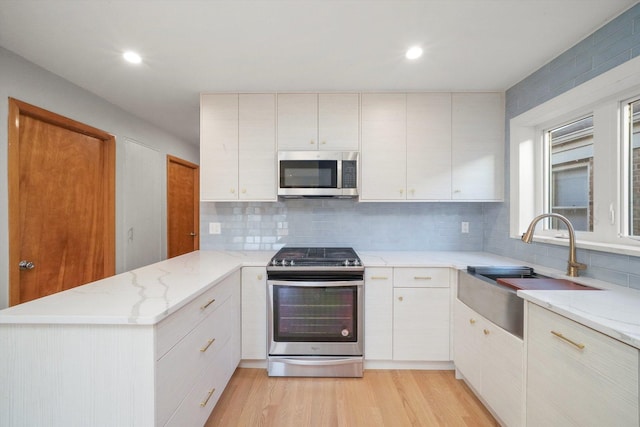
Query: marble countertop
x=615 y=313
x=143 y=296
x=146 y=295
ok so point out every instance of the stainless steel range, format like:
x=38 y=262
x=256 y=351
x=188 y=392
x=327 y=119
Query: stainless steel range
x=315 y=312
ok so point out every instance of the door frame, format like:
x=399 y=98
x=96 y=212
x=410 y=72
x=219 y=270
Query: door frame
x=16 y=109
x=196 y=199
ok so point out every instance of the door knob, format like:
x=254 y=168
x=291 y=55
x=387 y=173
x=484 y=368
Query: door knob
x=192 y=234
x=26 y=265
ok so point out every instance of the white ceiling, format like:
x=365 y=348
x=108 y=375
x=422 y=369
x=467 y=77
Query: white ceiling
x=193 y=46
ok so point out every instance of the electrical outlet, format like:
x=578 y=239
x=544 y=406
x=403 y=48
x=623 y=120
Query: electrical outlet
x=215 y=228
x=464 y=227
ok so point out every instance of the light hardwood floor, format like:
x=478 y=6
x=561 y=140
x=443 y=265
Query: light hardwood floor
x=391 y=398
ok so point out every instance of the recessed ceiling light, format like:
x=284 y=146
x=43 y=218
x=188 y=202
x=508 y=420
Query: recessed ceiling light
x=414 y=52
x=132 y=57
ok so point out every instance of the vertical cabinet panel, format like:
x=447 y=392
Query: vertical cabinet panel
x=378 y=314
x=254 y=313
x=297 y=121
x=383 y=160
x=428 y=146
x=478 y=146
x=219 y=147
x=339 y=121
x=257 y=147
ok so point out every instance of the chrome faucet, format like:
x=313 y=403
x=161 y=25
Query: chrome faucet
x=573 y=266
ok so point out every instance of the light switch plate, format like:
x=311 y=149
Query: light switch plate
x=215 y=228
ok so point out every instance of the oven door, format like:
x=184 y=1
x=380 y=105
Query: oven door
x=315 y=318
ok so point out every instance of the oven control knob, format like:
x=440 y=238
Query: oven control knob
x=291 y=263
x=345 y=332
x=284 y=262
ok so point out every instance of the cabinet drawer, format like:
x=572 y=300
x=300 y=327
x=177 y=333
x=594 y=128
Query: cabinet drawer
x=176 y=326
x=206 y=389
x=179 y=368
x=421 y=277
x=578 y=376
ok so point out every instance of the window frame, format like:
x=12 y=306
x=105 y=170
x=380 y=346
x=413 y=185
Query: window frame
x=603 y=97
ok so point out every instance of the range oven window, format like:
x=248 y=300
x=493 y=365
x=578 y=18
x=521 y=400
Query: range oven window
x=308 y=174
x=315 y=314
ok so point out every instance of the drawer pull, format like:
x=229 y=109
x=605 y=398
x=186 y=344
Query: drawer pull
x=211 y=301
x=472 y=321
x=206 y=400
x=206 y=347
x=379 y=277
x=486 y=331
x=421 y=278
x=573 y=343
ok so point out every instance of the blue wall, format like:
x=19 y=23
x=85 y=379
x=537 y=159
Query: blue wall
x=612 y=45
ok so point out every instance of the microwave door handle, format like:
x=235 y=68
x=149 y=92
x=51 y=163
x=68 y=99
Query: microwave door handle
x=339 y=172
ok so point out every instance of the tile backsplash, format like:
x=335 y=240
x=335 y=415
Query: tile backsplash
x=364 y=226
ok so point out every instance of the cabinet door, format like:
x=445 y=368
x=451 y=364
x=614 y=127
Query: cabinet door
x=254 y=313
x=257 y=133
x=421 y=324
x=428 y=146
x=378 y=313
x=502 y=358
x=383 y=162
x=467 y=331
x=590 y=382
x=297 y=121
x=219 y=147
x=478 y=146
x=339 y=121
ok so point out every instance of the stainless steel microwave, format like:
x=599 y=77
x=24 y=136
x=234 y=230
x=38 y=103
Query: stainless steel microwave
x=318 y=174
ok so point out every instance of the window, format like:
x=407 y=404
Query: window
x=578 y=155
x=633 y=174
x=570 y=163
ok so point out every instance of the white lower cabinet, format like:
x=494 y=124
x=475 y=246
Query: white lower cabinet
x=421 y=309
x=378 y=313
x=577 y=376
x=254 y=313
x=407 y=314
x=492 y=362
x=192 y=374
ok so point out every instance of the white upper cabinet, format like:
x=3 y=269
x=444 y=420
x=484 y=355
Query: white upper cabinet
x=384 y=143
x=219 y=147
x=478 y=146
x=428 y=146
x=257 y=154
x=339 y=121
x=327 y=121
x=237 y=147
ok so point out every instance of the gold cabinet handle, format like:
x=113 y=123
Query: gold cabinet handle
x=573 y=343
x=379 y=277
x=312 y=142
x=400 y=299
x=401 y=191
x=232 y=190
x=211 y=301
x=323 y=142
x=259 y=276
x=206 y=400
x=472 y=321
x=244 y=191
x=206 y=347
x=421 y=278
x=486 y=331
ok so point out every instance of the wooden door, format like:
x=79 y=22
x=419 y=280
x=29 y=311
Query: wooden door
x=183 y=214
x=61 y=203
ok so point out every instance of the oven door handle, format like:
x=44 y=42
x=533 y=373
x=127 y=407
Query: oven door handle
x=325 y=361
x=315 y=284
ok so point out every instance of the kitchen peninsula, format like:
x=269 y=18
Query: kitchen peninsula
x=157 y=345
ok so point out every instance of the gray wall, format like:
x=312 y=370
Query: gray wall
x=612 y=45
x=27 y=82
